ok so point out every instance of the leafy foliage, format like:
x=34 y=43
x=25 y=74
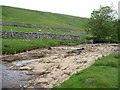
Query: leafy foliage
x=103 y=24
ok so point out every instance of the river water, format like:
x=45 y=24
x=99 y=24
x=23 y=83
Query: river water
x=14 y=78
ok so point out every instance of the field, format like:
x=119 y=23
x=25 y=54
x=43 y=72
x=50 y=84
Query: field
x=103 y=74
x=38 y=18
x=42 y=18
x=23 y=29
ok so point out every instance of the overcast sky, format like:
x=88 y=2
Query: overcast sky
x=82 y=8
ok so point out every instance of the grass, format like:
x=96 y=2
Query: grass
x=23 y=29
x=10 y=45
x=42 y=18
x=102 y=74
x=20 y=15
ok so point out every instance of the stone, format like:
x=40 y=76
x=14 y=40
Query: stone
x=49 y=48
x=25 y=68
x=37 y=35
x=42 y=80
x=64 y=67
x=77 y=51
x=68 y=72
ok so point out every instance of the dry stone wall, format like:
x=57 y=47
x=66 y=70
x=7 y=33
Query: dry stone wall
x=36 y=26
x=37 y=35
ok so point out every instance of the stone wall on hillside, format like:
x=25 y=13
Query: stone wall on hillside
x=36 y=35
x=37 y=26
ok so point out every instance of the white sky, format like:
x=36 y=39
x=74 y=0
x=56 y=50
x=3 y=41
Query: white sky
x=82 y=8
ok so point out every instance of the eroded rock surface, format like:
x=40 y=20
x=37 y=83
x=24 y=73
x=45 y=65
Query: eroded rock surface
x=61 y=62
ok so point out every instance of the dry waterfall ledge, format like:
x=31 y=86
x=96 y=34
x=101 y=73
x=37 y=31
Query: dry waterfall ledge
x=59 y=63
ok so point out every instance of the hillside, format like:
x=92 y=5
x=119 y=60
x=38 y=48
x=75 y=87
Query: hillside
x=49 y=50
x=24 y=16
x=12 y=14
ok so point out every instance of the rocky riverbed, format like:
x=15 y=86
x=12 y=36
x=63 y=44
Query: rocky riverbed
x=54 y=65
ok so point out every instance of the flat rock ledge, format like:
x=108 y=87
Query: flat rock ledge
x=60 y=63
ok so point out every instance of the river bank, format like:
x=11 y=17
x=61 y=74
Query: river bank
x=58 y=63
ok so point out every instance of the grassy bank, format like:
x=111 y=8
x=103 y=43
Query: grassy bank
x=10 y=45
x=103 y=74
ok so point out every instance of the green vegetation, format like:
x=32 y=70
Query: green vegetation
x=42 y=18
x=103 y=25
x=102 y=74
x=10 y=45
x=118 y=27
x=23 y=29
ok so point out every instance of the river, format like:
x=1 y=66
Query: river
x=14 y=78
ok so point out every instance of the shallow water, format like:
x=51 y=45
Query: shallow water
x=22 y=62
x=14 y=78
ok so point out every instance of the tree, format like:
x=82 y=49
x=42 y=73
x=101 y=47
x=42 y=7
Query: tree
x=118 y=29
x=102 y=24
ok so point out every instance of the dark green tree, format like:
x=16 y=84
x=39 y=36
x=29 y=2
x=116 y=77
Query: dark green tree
x=103 y=24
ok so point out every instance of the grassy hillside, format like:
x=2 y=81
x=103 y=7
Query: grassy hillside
x=12 y=14
x=103 y=74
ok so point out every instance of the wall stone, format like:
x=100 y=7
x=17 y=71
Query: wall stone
x=37 y=35
x=42 y=27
